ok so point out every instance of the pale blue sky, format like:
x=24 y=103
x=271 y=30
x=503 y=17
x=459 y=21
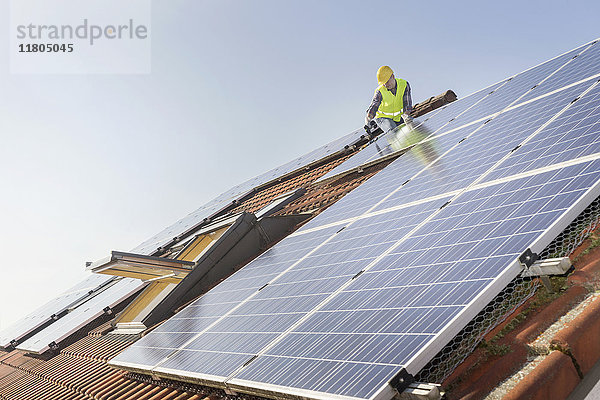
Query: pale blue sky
x=91 y=163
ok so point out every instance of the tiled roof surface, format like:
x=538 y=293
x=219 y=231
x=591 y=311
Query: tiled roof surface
x=79 y=372
x=319 y=197
x=263 y=197
x=99 y=348
x=102 y=329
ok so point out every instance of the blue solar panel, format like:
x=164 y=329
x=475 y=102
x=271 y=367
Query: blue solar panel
x=401 y=138
x=393 y=312
x=85 y=312
x=480 y=151
x=572 y=135
x=55 y=307
x=585 y=65
x=449 y=112
x=379 y=282
x=224 y=200
x=274 y=309
x=477 y=107
x=514 y=90
x=444 y=163
x=206 y=310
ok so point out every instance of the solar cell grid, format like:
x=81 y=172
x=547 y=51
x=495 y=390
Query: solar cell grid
x=53 y=307
x=92 y=282
x=283 y=303
x=572 y=135
x=482 y=149
x=81 y=315
x=394 y=140
x=373 y=286
x=357 y=378
x=585 y=65
x=375 y=319
x=451 y=111
x=514 y=89
x=373 y=191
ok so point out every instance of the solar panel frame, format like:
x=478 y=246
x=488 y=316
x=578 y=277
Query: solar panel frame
x=504 y=278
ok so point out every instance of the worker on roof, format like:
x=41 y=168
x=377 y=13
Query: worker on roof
x=392 y=104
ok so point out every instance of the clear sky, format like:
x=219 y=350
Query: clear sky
x=92 y=163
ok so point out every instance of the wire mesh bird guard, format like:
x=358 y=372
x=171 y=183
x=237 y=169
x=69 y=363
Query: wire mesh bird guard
x=504 y=304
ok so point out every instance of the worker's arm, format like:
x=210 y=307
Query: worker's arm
x=372 y=110
x=407 y=100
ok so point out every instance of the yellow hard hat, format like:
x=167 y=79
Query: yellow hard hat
x=383 y=74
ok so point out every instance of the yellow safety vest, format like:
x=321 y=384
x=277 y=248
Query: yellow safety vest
x=392 y=106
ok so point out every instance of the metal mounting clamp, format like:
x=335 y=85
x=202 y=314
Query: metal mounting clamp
x=550 y=266
x=421 y=391
x=528 y=258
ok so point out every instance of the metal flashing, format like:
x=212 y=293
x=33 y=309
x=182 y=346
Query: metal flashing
x=241 y=242
x=280 y=202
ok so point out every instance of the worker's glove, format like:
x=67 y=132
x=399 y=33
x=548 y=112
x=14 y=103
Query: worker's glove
x=407 y=118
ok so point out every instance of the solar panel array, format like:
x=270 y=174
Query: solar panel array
x=85 y=312
x=400 y=138
x=224 y=200
x=55 y=307
x=377 y=284
x=556 y=73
